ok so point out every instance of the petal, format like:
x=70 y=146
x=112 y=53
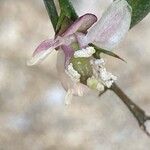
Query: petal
x=81 y=24
x=78 y=89
x=63 y=77
x=68 y=51
x=112 y=27
x=43 y=50
x=80 y=38
x=68 y=97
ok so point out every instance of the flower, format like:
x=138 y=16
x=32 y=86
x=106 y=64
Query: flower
x=78 y=70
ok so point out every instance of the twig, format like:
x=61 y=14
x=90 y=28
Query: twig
x=138 y=113
x=101 y=93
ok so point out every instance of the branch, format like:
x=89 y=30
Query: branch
x=138 y=113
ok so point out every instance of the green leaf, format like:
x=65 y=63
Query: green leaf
x=67 y=9
x=100 y=50
x=63 y=23
x=67 y=16
x=140 y=8
x=52 y=12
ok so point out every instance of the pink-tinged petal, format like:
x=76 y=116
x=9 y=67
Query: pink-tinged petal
x=63 y=77
x=68 y=51
x=112 y=27
x=44 y=49
x=82 y=24
x=80 y=38
x=44 y=46
x=68 y=40
x=78 y=89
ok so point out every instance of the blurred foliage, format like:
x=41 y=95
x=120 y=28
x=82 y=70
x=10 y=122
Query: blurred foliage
x=140 y=8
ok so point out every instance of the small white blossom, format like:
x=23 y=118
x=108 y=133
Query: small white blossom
x=87 y=52
x=72 y=73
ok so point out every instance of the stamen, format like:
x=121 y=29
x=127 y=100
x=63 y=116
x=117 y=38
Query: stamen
x=107 y=77
x=101 y=73
x=87 y=52
x=72 y=73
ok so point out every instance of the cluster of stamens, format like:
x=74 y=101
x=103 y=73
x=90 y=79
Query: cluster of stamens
x=101 y=73
x=85 y=52
x=72 y=73
x=100 y=79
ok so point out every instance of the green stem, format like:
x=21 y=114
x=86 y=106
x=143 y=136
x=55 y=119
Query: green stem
x=67 y=8
x=52 y=12
x=137 y=112
x=67 y=16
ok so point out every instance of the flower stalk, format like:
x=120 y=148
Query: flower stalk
x=137 y=112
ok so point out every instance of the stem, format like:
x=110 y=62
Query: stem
x=101 y=93
x=138 y=113
x=52 y=12
x=67 y=16
x=67 y=8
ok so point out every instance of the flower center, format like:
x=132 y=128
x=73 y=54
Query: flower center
x=86 y=69
x=81 y=63
x=87 y=52
x=101 y=74
x=72 y=73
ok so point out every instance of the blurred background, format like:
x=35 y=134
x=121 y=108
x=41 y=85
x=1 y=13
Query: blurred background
x=32 y=111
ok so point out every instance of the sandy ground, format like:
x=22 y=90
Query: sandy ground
x=32 y=111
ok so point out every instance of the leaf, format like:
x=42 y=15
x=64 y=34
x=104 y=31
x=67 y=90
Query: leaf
x=52 y=12
x=99 y=50
x=67 y=16
x=67 y=9
x=63 y=23
x=140 y=8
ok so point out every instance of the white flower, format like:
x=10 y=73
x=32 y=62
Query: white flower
x=107 y=33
